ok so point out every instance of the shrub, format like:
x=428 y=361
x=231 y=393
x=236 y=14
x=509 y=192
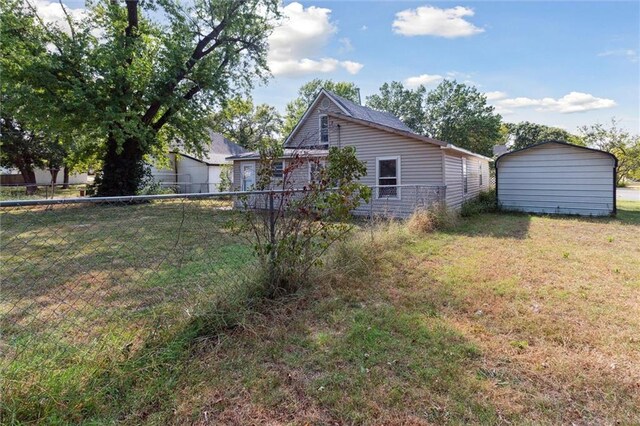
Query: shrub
x=429 y=220
x=486 y=202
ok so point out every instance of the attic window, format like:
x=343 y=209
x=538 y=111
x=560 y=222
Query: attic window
x=324 y=130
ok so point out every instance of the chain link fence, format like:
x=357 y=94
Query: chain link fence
x=94 y=288
x=400 y=201
x=99 y=295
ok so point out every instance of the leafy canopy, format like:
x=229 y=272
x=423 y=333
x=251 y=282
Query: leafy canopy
x=247 y=124
x=406 y=104
x=459 y=114
x=524 y=134
x=132 y=78
x=617 y=141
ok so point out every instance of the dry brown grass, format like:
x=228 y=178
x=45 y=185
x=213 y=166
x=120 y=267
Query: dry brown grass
x=551 y=304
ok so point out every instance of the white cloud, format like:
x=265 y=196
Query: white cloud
x=299 y=67
x=345 y=45
x=423 y=79
x=570 y=103
x=630 y=54
x=430 y=20
x=494 y=96
x=52 y=13
x=351 y=67
x=302 y=34
x=364 y=28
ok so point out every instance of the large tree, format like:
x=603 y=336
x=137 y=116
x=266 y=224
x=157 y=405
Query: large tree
x=406 y=104
x=524 y=134
x=247 y=124
x=459 y=114
x=306 y=94
x=138 y=75
x=617 y=141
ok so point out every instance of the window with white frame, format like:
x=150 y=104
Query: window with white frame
x=465 y=180
x=480 y=175
x=316 y=167
x=388 y=177
x=324 y=130
x=277 y=169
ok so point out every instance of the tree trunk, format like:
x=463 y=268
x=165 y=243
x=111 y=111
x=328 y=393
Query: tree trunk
x=123 y=171
x=65 y=178
x=29 y=177
x=54 y=176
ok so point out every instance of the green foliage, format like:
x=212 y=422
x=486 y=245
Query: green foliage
x=619 y=142
x=226 y=184
x=459 y=114
x=307 y=93
x=246 y=124
x=452 y=112
x=152 y=76
x=406 y=104
x=301 y=223
x=524 y=134
x=486 y=202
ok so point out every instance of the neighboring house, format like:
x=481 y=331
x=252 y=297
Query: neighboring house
x=558 y=178
x=10 y=176
x=402 y=166
x=198 y=173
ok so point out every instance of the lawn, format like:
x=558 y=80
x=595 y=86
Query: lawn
x=505 y=318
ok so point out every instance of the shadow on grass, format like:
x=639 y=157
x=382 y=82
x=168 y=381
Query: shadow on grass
x=495 y=225
x=128 y=374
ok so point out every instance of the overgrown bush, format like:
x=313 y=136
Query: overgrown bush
x=429 y=220
x=291 y=225
x=486 y=202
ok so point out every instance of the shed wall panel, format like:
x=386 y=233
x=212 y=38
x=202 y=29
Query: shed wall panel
x=555 y=178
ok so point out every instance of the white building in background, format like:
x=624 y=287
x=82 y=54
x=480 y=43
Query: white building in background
x=11 y=176
x=193 y=173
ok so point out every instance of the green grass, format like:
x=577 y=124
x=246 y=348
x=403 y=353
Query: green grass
x=502 y=318
x=101 y=303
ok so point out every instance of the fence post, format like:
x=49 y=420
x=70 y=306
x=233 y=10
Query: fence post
x=272 y=238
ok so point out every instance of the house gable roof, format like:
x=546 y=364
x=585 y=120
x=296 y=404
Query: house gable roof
x=216 y=153
x=381 y=120
x=615 y=159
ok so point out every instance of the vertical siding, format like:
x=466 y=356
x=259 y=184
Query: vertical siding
x=308 y=134
x=556 y=178
x=194 y=172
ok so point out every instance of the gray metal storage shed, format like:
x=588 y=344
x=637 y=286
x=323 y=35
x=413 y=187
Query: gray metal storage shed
x=557 y=178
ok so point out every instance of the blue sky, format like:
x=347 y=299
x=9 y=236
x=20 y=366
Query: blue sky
x=557 y=63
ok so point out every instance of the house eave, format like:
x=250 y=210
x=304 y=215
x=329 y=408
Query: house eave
x=465 y=151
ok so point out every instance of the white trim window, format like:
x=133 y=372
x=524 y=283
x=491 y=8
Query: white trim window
x=388 y=177
x=248 y=176
x=465 y=177
x=315 y=170
x=323 y=126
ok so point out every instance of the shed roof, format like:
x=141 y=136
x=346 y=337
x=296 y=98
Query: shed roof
x=562 y=143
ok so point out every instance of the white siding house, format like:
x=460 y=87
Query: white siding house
x=557 y=178
x=405 y=169
x=198 y=173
